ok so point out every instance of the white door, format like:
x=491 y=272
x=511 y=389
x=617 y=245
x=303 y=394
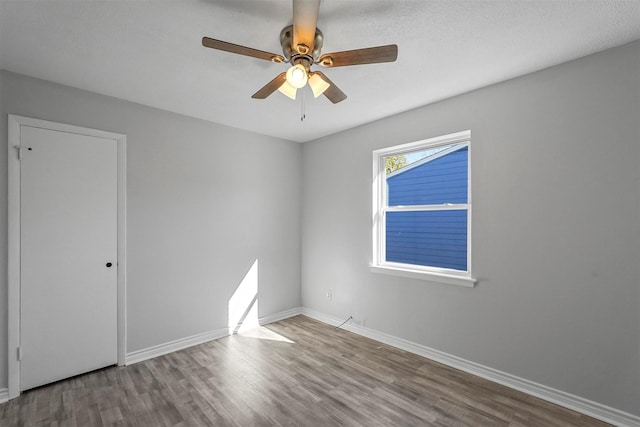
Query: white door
x=68 y=236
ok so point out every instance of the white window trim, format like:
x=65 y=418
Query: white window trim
x=379 y=264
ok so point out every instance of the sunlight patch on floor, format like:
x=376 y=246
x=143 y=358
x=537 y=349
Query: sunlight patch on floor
x=263 y=333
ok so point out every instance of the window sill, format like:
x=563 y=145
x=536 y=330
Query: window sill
x=449 y=279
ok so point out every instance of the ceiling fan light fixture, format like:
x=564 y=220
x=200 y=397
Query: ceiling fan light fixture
x=297 y=76
x=318 y=85
x=288 y=90
x=301 y=45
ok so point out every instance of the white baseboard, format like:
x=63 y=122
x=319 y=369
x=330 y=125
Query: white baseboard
x=182 y=343
x=567 y=400
x=179 y=344
x=4 y=395
x=280 y=316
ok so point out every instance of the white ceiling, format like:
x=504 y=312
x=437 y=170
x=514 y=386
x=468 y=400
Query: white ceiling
x=150 y=52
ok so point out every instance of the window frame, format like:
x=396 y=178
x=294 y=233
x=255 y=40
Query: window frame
x=379 y=210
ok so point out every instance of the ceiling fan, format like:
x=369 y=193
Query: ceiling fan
x=302 y=46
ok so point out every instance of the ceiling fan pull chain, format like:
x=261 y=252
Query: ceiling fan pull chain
x=302 y=113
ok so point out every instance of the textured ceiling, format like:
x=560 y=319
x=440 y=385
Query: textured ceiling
x=150 y=52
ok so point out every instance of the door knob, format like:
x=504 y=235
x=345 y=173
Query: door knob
x=109 y=264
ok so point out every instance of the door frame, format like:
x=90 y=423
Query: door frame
x=13 y=238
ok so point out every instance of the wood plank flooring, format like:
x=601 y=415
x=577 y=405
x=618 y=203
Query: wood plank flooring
x=323 y=377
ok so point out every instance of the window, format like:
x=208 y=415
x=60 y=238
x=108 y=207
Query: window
x=422 y=210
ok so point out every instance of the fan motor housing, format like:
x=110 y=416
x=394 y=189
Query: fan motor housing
x=292 y=54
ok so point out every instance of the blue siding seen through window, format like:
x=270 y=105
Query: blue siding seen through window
x=429 y=238
x=433 y=238
x=442 y=180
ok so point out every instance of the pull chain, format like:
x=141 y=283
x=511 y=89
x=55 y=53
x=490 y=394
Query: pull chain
x=302 y=113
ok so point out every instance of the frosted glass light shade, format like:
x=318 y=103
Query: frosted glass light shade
x=288 y=90
x=318 y=85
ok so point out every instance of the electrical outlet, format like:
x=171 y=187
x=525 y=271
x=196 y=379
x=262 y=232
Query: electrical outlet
x=329 y=294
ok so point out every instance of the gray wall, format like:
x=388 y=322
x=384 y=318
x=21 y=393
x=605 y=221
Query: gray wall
x=556 y=228
x=204 y=202
x=555 y=159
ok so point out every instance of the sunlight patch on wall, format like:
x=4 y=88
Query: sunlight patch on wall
x=243 y=310
x=243 y=304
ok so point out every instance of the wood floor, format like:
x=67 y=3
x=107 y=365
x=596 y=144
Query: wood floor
x=324 y=377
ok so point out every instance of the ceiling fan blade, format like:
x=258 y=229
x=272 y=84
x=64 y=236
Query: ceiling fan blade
x=241 y=50
x=370 y=55
x=305 y=18
x=270 y=87
x=333 y=92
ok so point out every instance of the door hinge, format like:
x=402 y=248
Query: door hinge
x=19 y=150
x=19 y=354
